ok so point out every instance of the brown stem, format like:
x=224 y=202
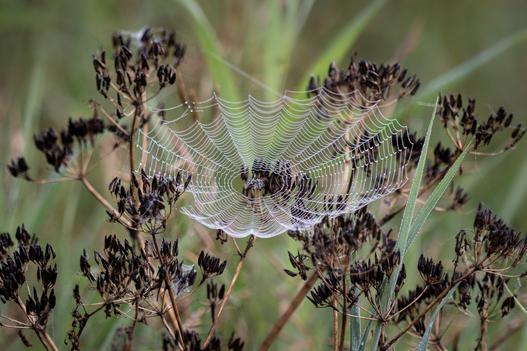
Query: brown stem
x=42 y=334
x=293 y=305
x=228 y=293
x=344 y=320
x=428 y=308
x=89 y=186
x=114 y=122
x=48 y=340
x=483 y=330
x=131 y=154
x=178 y=324
x=335 y=328
x=42 y=341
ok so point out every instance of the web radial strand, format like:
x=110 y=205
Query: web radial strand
x=265 y=167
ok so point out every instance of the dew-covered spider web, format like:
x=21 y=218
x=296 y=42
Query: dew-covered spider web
x=265 y=167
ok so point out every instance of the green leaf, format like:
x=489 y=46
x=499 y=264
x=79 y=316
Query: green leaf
x=206 y=36
x=364 y=338
x=404 y=231
x=436 y=195
x=464 y=69
x=342 y=42
x=424 y=340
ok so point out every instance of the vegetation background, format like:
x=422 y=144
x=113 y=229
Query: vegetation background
x=478 y=48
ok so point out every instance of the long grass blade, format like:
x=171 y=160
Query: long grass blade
x=389 y=286
x=364 y=338
x=424 y=340
x=408 y=214
x=355 y=333
x=436 y=195
x=467 y=67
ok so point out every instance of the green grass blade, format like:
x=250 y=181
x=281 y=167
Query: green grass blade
x=464 y=69
x=408 y=214
x=409 y=210
x=206 y=36
x=404 y=231
x=364 y=338
x=424 y=340
x=355 y=334
x=342 y=42
x=436 y=195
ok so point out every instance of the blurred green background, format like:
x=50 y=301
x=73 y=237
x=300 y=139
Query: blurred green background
x=478 y=47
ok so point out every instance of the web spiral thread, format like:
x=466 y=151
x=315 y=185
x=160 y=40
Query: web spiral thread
x=265 y=167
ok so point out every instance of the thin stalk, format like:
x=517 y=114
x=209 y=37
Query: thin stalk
x=228 y=293
x=48 y=340
x=344 y=321
x=428 y=308
x=293 y=305
x=178 y=324
x=89 y=186
x=42 y=334
x=335 y=339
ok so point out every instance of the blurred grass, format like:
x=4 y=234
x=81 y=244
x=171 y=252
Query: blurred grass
x=46 y=76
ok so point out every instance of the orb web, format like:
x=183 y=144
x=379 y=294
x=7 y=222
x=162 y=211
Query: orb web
x=265 y=167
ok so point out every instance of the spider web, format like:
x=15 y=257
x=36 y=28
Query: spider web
x=265 y=167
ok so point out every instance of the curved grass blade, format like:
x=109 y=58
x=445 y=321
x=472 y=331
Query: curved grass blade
x=355 y=337
x=464 y=69
x=436 y=195
x=388 y=287
x=404 y=231
x=362 y=345
x=424 y=340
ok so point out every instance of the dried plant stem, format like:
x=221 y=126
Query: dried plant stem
x=89 y=186
x=344 y=321
x=41 y=333
x=48 y=340
x=131 y=155
x=428 y=308
x=178 y=324
x=228 y=293
x=483 y=331
x=293 y=305
x=335 y=333
x=113 y=121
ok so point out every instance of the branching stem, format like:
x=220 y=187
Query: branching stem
x=228 y=293
x=293 y=305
